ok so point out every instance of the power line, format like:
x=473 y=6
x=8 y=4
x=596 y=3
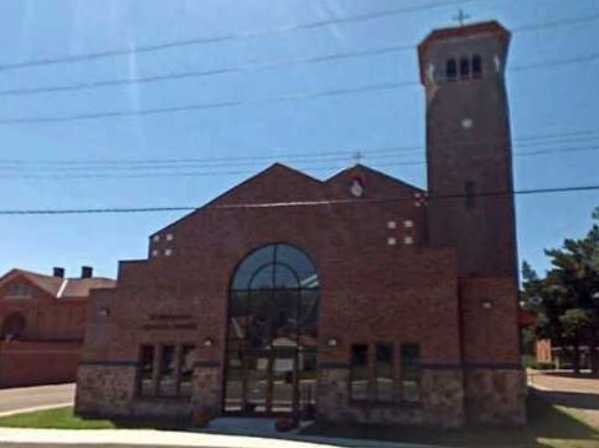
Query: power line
x=556 y=23
x=231 y=37
x=184 y=171
x=267 y=65
x=380 y=87
x=299 y=96
x=582 y=137
x=324 y=202
x=244 y=68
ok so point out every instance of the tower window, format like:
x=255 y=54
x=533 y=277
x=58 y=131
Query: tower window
x=469 y=190
x=477 y=67
x=464 y=68
x=451 y=70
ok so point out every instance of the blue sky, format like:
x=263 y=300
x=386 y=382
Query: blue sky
x=546 y=100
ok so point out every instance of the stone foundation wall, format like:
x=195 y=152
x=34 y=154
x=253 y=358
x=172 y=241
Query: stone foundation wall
x=109 y=392
x=105 y=390
x=496 y=396
x=442 y=393
x=207 y=390
x=442 y=398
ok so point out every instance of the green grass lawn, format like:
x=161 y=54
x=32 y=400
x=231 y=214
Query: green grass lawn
x=61 y=418
x=547 y=427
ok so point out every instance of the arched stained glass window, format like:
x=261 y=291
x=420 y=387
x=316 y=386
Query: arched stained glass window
x=272 y=333
x=274 y=299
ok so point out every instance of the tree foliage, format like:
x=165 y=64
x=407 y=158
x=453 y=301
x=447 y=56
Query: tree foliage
x=566 y=300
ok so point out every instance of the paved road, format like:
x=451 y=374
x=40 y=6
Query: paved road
x=22 y=398
x=577 y=395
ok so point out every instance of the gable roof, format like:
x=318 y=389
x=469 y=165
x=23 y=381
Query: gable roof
x=59 y=287
x=360 y=170
x=278 y=170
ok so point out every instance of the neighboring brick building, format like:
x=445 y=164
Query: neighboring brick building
x=42 y=324
x=358 y=298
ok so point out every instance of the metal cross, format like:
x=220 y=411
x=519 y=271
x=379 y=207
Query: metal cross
x=461 y=17
x=358 y=156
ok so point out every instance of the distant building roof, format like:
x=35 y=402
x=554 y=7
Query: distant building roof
x=60 y=287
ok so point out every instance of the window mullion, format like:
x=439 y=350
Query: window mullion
x=177 y=366
x=156 y=369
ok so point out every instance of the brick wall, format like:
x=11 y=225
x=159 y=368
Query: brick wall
x=34 y=363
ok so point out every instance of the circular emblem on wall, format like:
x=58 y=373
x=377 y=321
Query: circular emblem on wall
x=357 y=188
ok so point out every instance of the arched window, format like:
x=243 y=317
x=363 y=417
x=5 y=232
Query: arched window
x=477 y=68
x=464 y=68
x=13 y=327
x=451 y=70
x=274 y=296
x=272 y=333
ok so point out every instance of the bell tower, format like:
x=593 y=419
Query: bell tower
x=469 y=154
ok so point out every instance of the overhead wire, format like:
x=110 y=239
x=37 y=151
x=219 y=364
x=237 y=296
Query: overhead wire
x=311 y=203
x=567 y=142
x=229 y=37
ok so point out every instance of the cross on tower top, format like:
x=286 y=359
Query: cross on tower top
x=461 y=17
x=358 y=156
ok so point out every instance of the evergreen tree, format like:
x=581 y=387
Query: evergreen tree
x=567 y=299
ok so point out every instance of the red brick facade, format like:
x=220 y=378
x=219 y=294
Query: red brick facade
x=388 y=276
x=42 y=323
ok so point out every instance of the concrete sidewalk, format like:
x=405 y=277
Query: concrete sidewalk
x=18 y=400
x=152 y=438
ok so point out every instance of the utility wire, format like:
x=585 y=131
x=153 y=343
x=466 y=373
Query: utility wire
x=230 y=37
x=380 y=87
x=267 y=65
x=298 y=96
x=324 y=202
x=547 y=141
x=184 y=171
x=244 y=68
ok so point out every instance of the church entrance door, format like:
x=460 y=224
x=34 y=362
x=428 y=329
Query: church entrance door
x=265 y=383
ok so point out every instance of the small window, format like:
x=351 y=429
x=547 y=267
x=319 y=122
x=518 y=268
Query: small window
x=383 y=369
x=166 y=381
x=19 y=291
x=410 y=372
x=469 y=194
x=451 y=70
x=359 y=373
x=465 y=68
x=146 y=371
x=477 y=68
x=175 y=370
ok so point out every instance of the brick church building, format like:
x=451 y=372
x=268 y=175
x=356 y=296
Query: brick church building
x=357 y=298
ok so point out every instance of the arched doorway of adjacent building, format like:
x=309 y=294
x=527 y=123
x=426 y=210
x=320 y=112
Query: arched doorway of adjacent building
x=272 y=333
x=13 y=327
